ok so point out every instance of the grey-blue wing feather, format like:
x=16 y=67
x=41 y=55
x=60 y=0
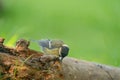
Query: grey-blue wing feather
x=44 y=43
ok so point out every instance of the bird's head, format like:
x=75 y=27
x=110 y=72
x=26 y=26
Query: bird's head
x=63 y=51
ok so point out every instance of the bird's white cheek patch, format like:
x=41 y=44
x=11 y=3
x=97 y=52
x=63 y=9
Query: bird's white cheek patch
x=60 y=50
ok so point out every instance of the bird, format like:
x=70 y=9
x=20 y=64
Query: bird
x=54 y=47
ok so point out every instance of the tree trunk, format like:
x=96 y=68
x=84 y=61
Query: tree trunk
x=22 y=63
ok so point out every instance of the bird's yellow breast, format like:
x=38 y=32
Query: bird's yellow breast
x=54 y=51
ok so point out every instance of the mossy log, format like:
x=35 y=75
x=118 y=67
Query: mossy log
x=22 y=63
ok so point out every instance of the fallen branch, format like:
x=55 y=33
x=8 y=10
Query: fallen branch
x=22 y=63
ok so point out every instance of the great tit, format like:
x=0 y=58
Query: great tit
x=54 y=47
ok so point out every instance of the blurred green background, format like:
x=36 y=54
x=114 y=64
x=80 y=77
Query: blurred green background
x=90 y=27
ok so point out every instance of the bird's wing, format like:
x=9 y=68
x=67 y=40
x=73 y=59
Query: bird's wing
x=44 y=43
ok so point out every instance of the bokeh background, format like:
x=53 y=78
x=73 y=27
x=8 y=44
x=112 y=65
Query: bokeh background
x=90 y=27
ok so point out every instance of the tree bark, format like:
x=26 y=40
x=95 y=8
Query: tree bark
x=22 y=63
x=74 y=69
